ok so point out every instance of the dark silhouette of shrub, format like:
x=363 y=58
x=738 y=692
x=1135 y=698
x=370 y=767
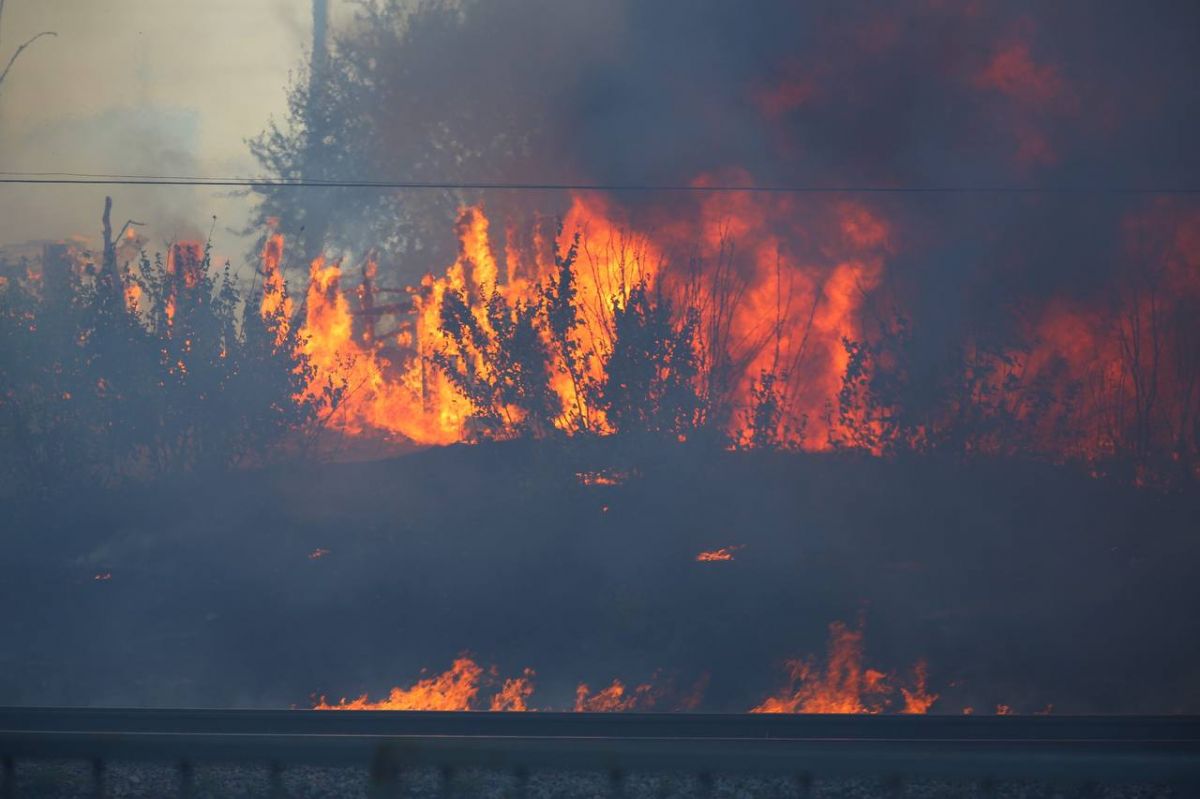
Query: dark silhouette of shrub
x=95 y=387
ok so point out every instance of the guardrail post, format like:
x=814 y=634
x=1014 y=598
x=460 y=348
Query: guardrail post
x=8 y=781
x=187 y=780
x=706 y=784
x=521 y=784
x=616 y=783
x=98 y=778
x=893 y=786
x=987 y=788
x=448 y=783
x=277 y=789
x=387 y=773
x=804 y=783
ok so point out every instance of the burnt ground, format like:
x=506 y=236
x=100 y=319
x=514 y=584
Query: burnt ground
x=1021 y=583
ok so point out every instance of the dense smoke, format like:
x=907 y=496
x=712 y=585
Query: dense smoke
x=814 y=94
x=174 y=425
x=1018 y=249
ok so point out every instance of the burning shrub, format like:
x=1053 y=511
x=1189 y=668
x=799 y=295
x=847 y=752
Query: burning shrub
x=508 y=380
x=650 y=377
x=110 y=374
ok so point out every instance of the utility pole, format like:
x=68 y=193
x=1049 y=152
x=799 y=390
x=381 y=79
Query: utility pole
x=320 y=52
x=314 y=211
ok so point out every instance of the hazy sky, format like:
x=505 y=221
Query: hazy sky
x=140 y=87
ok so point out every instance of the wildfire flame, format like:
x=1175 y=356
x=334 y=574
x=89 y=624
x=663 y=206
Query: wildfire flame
x=614 y=699
x=407 y=395
x=774 y=330
x=715 y=555
x=603 y=477
x=918 y=699
x=514 y=694
x=844 y=685
x=455 y=689
x=275 y=305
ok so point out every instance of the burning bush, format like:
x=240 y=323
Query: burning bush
x=152 y=369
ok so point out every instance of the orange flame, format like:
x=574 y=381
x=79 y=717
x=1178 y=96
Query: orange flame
x=918 y=699
x=803 y=310
x=455 y=689
x=844 y=685
x=722 y=554
x=603 y=477
x=276 y=305
x=514 y=694
x=614 y=698
x=133 y=296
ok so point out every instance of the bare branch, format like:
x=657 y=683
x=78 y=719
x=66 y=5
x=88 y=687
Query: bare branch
x=129 y=224
x=1 y=20
x=20 y=50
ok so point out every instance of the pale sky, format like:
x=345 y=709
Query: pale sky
x=140 y=87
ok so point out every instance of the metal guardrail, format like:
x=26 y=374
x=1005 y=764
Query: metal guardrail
x=1164 y=750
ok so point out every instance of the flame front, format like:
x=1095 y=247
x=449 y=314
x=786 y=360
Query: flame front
x=842 y=685
x=455 y=689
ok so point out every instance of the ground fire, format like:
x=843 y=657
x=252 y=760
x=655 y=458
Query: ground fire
x=841 y=684
x=717 y=555
x=844 y=685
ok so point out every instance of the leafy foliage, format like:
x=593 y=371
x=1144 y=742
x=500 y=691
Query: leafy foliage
x=650 y=382
x=95 y=387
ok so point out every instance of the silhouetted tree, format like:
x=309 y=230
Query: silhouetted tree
x=650 y=380
x=501 y=365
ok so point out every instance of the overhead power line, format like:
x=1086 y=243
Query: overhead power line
x=86 y=179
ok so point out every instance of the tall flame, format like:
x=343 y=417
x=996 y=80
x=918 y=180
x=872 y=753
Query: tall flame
x=275 y=305
x=514 y=694
x=844 y=684
x=804 y=312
